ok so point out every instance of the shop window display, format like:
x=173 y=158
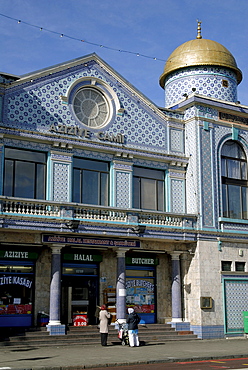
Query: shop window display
x=16 y=291
x=140 y=287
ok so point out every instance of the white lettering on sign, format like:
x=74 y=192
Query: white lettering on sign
x=15 y=254
x=118 y=138
x=55 y=238
x=140 y=283
x=78 y=131
x=83 y=257
x=143 y=261
x=70 y=130
x=5 y=280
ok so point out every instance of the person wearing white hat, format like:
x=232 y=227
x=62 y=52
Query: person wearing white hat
x=133 y=320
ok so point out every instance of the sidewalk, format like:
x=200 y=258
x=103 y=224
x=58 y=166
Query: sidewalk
x=87 y=356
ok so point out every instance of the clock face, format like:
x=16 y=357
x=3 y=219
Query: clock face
x=91 y=107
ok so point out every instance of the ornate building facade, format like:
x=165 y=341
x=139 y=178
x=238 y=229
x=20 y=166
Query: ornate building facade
x=106 y=196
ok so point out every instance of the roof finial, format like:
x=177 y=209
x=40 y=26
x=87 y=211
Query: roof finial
x=199 y=36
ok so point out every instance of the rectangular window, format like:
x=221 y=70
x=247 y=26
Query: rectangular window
x=234 y=181
x=148 y=189
x=24 y=173
x=240 y=266
x=90 y=182
x=226 y=266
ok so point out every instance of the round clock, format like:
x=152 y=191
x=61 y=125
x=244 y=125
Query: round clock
x=91 y=107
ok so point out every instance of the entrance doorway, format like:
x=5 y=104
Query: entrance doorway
x=80 y=292
x=79 y=298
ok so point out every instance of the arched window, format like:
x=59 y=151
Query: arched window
x=234 y=181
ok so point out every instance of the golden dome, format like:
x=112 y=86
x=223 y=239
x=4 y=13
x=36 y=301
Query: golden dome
x=199 y=52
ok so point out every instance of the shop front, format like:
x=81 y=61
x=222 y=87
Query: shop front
x=140 y=286
x=17 y=275
x=80 y=286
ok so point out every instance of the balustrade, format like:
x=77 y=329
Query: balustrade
x=17 y=207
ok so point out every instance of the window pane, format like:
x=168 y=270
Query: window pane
x=224 y=200
x=243 y=170
x=25 y=155
x=88 y=164
x=76 y=186
x=233 y=169
x=223 y=167
x=104 y=189
x=8 y=177
x=40 y=181
x=90 y=187
x=24 y=180
x=234 y=203
x=148 y=194
x=136 y=192
x=244 y=202
x=226 y=265
x=160 y=185
x=239 y=266
x=232 y=149
x=148 y=173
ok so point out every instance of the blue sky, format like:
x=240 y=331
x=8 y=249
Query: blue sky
x=150 y=27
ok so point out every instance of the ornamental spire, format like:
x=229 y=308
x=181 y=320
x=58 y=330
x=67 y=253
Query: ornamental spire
x=199 y=36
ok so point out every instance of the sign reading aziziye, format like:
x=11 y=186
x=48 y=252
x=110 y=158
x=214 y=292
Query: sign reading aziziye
x=15 y=254
x=87 y=134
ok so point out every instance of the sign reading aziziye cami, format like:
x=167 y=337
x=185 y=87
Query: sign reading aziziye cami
x=87 y=134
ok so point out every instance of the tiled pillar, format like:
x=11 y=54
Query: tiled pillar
x=121 y=287
x=176 y=287
x=122 y=184
x=54 y=325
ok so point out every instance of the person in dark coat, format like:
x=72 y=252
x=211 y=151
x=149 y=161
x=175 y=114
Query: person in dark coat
x=133 y=320
x=104 y=317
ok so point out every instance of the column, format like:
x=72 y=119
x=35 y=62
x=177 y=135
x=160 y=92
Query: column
x=121 y=287
x=176 y=287
x=55 y=286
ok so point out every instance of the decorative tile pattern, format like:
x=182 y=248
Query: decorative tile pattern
x=176 y=141
x=123 y=190
x=206 y=80
x=150 y=164
x=236 y=296
x=56 y=329
x=37 y=105
x=208 y=332
x=60 y=184
x=177 y=196
x=206 y=112
x=206 y=188
x=192 y=174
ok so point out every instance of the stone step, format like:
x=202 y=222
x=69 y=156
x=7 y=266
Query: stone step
x=152 y=333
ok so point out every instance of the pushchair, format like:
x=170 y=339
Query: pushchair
x=123 y=333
